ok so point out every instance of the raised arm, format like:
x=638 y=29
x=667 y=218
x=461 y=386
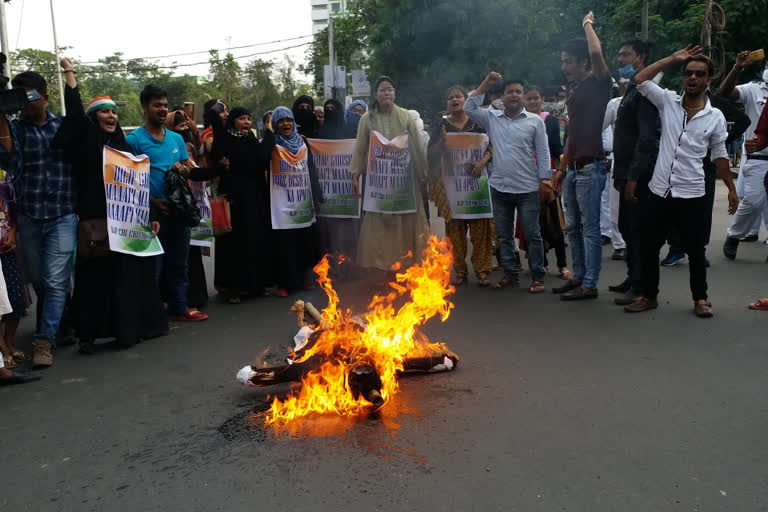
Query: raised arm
x=474 y=104
x=728 y=88
x=599 y=67
x=678 y=57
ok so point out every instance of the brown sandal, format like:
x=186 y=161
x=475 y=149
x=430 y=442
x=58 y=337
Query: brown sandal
x=565 y=274
x=9 y=362
x=482 y=280
x=536 y=287
x=20 y=356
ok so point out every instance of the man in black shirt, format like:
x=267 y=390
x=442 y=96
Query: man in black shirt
x=635 y=147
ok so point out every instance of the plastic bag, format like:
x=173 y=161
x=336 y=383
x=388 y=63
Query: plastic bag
x=181 y=201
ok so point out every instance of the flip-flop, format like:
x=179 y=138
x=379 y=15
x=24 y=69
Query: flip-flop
x=192 y=315
x=759 y=305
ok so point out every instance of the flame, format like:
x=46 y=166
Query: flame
x=390 y=335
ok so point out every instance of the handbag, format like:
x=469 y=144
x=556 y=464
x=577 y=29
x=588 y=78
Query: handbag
x=182 y=203
x=221 y=215
x=92 y=239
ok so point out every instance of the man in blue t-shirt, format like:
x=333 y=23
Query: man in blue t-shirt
x=167 y=153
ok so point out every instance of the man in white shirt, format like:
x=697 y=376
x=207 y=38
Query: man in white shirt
x=609 y=201
x=690 y=127
x=753 y=165
x=520 y=162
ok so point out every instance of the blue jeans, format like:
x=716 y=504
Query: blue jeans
x=582 y=190
x=172 y=266
x=48 y=248
x=528 y=207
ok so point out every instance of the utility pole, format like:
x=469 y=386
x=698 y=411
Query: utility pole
x=4 y=39
x=708 y=29
x=56 y=64
x=644 y=33
x=332 y=56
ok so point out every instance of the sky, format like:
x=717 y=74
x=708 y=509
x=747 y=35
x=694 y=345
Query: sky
x=144 y=28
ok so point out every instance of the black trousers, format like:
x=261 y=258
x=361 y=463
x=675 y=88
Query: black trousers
x=631 y=221
x=690 y=219
x=710 y=179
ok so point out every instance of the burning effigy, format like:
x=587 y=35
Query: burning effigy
x=349 y=364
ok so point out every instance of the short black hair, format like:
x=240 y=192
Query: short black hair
x=578 y=48
x=640 y=47
x=151 y=92
x=30 y=80
x=701 y=58
x=496 y=89
x=459 y=88
x=507 y=83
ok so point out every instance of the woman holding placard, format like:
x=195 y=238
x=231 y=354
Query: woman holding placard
x=295 y=195
x=456 y=223
x=389 y=152
x=115 y=294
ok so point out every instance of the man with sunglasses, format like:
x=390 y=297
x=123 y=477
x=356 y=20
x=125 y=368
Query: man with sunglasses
x=753 y=165
x=690 y=127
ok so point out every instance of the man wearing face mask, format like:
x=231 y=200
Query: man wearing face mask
x=635 y=147
x=754 y=165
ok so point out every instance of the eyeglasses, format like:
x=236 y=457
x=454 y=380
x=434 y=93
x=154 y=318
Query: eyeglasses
x=387 y=90
x=700 y=73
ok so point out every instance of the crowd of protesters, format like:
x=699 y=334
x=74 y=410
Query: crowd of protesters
x=637 y=171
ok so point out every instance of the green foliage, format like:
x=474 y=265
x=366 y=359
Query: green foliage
x=259 y=85
x=428 y=45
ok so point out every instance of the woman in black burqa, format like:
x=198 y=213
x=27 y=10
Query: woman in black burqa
x=115 y=296
x=244 y=261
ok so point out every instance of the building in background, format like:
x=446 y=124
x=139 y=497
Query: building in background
x=322 y=9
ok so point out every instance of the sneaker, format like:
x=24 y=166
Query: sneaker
x=42 y=356
x=731 y=247
x=674 y=257
x=619 y=254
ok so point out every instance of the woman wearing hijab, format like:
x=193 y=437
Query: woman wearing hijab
x=296 y=248
x=333 y=127
x=243 y=265
x=386 y=238
x=337 y=235
x=354 y=112
x=115 y=295
x=304 y=116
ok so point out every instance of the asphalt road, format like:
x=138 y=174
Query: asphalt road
x=555 y=406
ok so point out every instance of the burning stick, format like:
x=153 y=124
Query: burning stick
x=300 y=307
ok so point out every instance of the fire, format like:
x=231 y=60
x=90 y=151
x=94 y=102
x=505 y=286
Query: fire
x=389 y=335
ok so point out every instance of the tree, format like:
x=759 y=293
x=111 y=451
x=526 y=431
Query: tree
x=226 y=76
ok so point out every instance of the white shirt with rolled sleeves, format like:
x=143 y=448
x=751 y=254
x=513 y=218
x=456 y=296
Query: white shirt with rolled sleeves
x=753 y=95
x=520 y=147
x=684 y=143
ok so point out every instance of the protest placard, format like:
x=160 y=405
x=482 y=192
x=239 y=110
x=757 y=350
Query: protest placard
x=332 y=159
x=126 y=186
x=468 y=196
x=389 y=186
x=290 y=191
x=202 y=234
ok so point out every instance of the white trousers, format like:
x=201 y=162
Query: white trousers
x=609 y=213
x=753 y=207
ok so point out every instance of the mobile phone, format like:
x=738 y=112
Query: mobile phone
x=755 y=56
x=189 y=109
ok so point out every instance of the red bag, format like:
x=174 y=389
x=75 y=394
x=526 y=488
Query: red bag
x=220 y=215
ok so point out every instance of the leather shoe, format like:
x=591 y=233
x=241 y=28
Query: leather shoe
x=568 y=286
x=730 y=248
x=18 y=377
x=624 y=287
x=627 y=299
x=641 y=304
x=580 y=293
